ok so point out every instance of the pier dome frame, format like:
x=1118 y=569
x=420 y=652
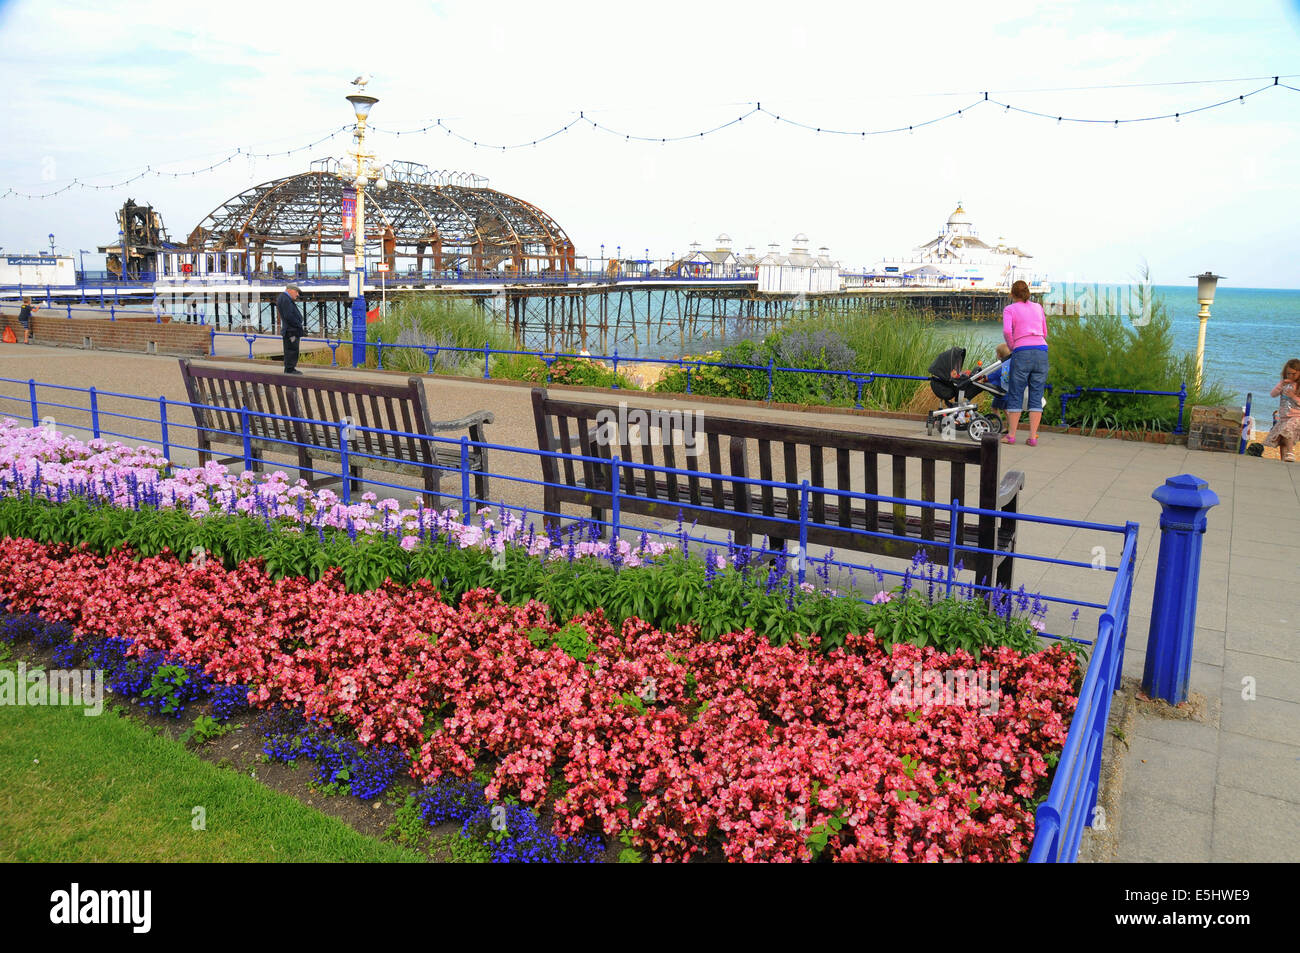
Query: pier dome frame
x=447 y=221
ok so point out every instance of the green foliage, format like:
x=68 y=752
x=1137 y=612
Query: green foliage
x=204 y=729
x=576 y=372
x=629 y=854
x=461 y=850
x=948 y=625
x=573 y=640
x=1133 y=353
x=430 y=321
x=168 y=682
x=409 y=828
x=675 y=591
x=897 y=341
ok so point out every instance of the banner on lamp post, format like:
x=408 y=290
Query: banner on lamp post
x=349 y=213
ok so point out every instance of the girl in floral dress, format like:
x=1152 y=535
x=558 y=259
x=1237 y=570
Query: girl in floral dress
x=1286 y=430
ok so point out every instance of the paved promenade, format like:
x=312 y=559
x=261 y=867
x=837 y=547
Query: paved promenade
x=1223 y=785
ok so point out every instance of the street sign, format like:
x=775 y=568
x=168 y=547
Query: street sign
x=382 y=266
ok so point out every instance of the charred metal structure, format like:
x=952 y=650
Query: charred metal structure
x=423 y=221
x=143 y=235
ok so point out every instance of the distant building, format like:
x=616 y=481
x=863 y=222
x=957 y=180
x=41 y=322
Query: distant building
x=798 y=272
x=958 y=258
x=719 y=263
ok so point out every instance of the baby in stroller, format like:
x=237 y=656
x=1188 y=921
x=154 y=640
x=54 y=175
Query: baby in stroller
x=958 y=388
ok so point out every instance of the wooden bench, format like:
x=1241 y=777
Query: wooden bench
x=320 y=404
x=715 y=498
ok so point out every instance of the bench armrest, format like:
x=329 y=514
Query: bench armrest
x=1013 y=481
x=476 y=419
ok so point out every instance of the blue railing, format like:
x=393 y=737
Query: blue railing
x=1181 y=394
x=1072 y=801
x=1072 y=798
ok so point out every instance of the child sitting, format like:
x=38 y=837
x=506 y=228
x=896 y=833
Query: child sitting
x=1001 y=378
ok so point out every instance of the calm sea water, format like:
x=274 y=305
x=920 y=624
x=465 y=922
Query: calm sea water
x=1251 y=333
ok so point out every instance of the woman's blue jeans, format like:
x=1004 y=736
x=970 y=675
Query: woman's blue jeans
x=1028 y=369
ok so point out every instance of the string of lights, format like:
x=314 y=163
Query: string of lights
x=149 y=170
x=985 y=102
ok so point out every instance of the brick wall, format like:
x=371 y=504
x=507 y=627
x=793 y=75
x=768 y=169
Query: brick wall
x=1215 y=428
x=141 y=334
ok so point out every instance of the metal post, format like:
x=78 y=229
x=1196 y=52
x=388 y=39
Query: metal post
x=344 y=463
x=464 y=477
x=162 y=419
x=952 y=545
x=31 y=390
x=248 y=439
x=1182 y=399
x=69 y=310
x=212 y=341
x=614 y=492
x=94 y=412
x=803 y=530
x=1247 y=425
x=616 y=361
x=770 y=365
x=1185 y=501
x=487 y=359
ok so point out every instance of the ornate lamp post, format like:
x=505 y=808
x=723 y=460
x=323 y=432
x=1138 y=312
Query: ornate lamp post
x=1205 y=295
x=365 y=173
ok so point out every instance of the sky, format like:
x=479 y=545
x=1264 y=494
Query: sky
x=100 y=92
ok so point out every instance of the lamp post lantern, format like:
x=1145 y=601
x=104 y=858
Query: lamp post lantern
x=1205 y=285
x=365 y=173
x=51 y=243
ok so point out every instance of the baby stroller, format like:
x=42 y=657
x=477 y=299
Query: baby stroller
x=958 y=395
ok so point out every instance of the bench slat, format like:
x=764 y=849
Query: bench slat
x=927 y=494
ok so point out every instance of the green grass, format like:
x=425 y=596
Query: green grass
x=105 y=788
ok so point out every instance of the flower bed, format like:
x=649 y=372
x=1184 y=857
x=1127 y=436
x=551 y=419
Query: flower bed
x=680 y=747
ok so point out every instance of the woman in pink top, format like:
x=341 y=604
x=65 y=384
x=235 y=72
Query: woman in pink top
x=1024 y=327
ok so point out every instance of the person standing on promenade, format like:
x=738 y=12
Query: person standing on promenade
x=25 y=319
x=1024 y=327
x=290 y=326
x=1286 y=428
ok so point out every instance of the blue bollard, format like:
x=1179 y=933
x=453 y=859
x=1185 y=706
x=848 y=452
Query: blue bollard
x=1185 y=501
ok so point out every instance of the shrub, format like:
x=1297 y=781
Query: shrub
x=1107 y=350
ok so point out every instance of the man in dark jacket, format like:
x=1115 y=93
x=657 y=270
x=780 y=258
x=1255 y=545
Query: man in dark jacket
x=290 y=326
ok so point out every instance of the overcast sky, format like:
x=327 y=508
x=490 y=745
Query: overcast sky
x=100 y=91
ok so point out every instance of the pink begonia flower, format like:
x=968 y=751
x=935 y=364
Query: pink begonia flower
x=1038 y=624
x=880 y=597
x=410 y=542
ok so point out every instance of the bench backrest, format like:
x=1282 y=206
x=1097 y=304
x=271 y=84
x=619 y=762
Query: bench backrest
x=320 y=402
x=784 y=452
